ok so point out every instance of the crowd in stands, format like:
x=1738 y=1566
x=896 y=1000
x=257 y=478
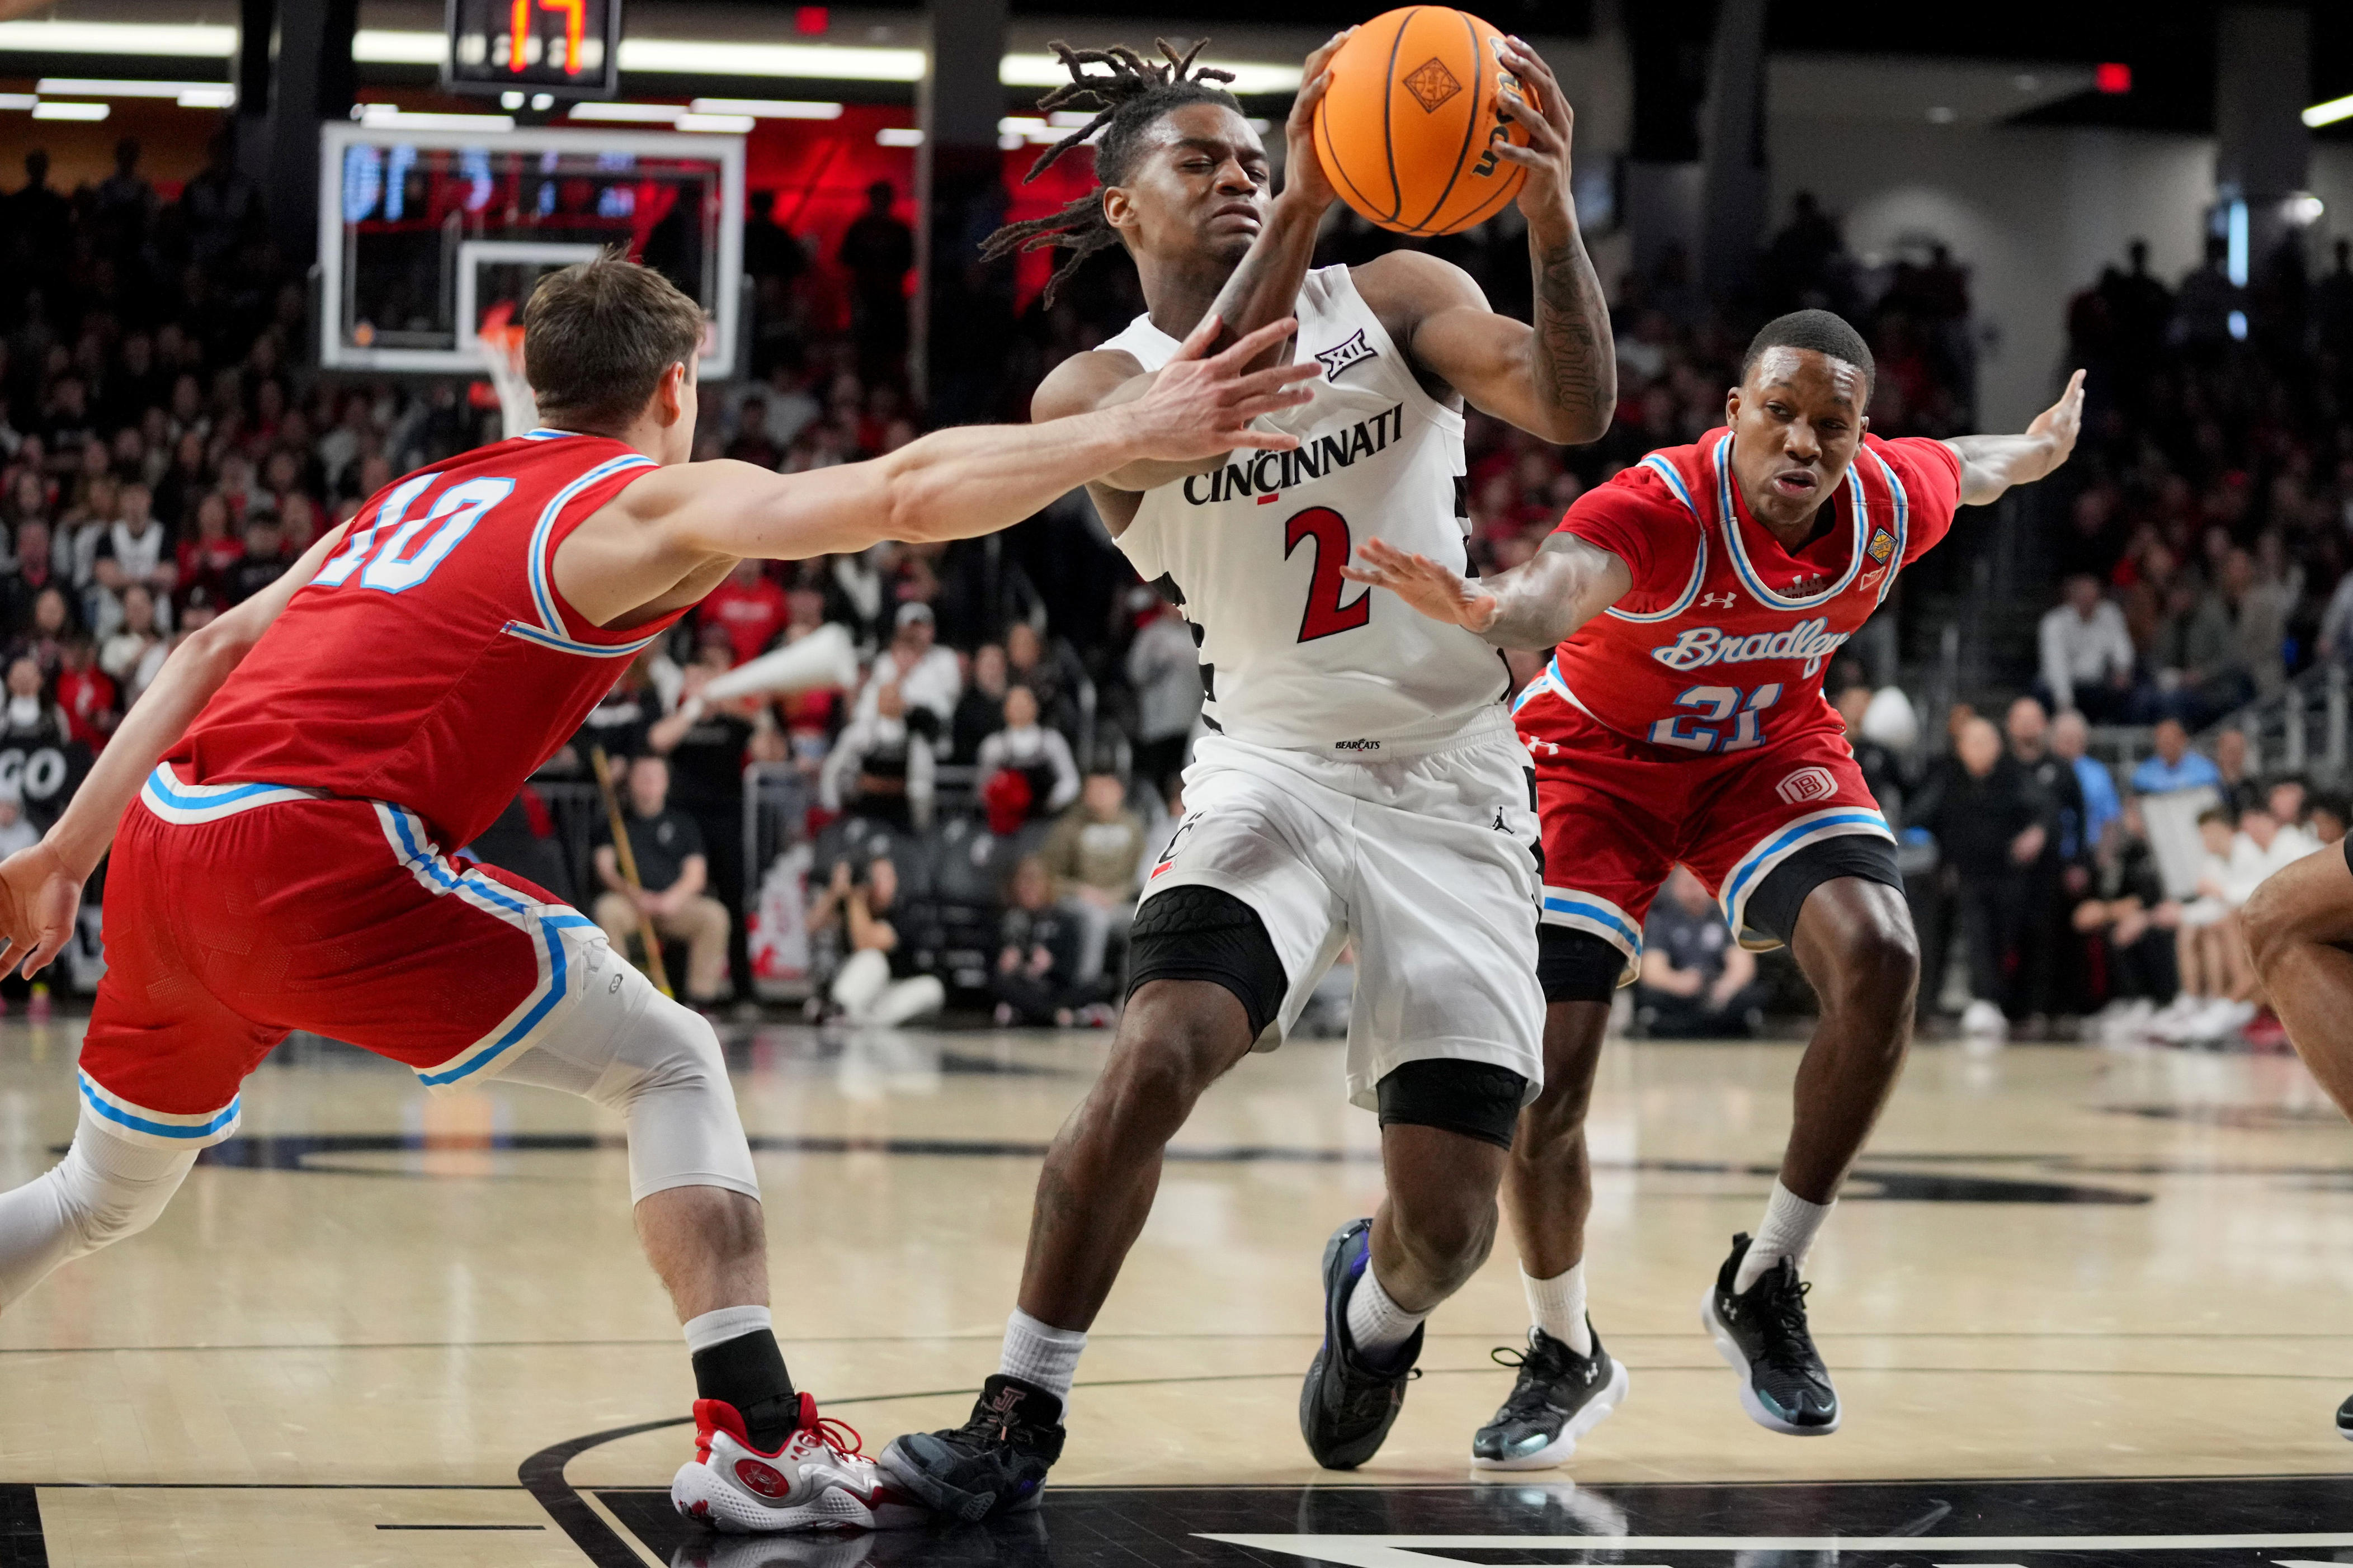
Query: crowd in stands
x=981 y=803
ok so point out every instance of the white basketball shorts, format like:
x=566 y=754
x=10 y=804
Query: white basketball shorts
x=1424 y=853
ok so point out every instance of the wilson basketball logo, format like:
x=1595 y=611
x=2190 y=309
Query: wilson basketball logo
x=1805 y=784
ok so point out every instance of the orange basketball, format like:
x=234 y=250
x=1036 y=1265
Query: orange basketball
x=1406 y=129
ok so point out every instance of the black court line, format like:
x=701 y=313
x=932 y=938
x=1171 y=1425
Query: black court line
x=1873 y=1181
x=22 y=1545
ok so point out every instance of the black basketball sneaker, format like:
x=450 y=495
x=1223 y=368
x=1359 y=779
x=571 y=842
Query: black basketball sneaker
x=994 y=1463
x=2345 y=1419
x=1558 y=1397
x=1345 y=1408
x=1761 y=1334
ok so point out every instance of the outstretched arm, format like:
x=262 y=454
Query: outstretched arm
x=1533 y=604
x=1559 y=378
x=41 y=887
x=676 y=531
x=1991 y=464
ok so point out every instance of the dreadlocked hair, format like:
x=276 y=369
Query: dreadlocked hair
x=1136 y=93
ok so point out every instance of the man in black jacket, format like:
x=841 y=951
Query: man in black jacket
x=2048 y=979
x=1992 y=823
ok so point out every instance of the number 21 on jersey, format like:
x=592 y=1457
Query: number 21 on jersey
x=396 y=551
x=1714 y=705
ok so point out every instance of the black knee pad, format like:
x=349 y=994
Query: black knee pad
x=1478 y=1099
x=1774 y=906
x=1201 y=933
x=1576 y=966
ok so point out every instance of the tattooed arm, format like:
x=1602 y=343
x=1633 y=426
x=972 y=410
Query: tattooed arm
x=1557 y=379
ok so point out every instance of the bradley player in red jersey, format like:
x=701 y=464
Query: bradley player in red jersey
x=282 y=802
x=1696 y=600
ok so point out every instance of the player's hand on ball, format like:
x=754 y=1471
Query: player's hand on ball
x=1303 y=176
x=1438 y=592
x=1542 y=110
x=39 y=900
x=1201 y=407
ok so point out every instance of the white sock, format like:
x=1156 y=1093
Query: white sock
x=1557 y=1306
x=104 y=1189
x=726 y=1324
x=1041 y=1354
x=1376 y=1324
x=1788 y=1231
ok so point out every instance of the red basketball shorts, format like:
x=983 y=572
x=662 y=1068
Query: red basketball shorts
x=1618 y=815
x=238 y=913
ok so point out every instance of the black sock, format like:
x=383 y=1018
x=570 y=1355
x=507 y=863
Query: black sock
x=748 y=1373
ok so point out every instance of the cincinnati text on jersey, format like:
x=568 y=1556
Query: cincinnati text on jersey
x=1268 y=473
x=1812 y=641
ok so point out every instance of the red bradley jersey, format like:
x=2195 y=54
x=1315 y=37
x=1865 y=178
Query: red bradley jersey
x=431 y=664
x=1726 y=635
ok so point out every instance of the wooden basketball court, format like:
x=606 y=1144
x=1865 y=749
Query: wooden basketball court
x=386 y=1329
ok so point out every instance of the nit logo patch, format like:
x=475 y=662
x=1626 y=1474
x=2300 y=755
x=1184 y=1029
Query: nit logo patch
x=1430 y=83
x=1805 y=784
x=1354 y=350
x=1883 y=545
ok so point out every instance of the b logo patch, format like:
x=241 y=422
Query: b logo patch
x=1883 y=545
x=1805 y=784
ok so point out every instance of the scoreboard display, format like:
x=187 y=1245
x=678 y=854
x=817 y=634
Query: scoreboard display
x=564 y=47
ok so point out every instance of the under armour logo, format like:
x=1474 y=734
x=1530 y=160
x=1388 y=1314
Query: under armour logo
x=1711 y=600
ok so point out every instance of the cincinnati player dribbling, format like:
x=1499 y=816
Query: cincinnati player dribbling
x=283 y=790
x=1697 y=599
x=1364 y=783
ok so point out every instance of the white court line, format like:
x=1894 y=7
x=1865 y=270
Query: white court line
x=1406 y=1550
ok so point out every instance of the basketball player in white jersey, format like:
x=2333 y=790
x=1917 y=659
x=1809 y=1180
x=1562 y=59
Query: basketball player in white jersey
x=1364 y=782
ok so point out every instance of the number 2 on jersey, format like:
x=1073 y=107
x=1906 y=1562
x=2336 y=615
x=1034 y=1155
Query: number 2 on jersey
x=1325 y=614
x=1714 y=705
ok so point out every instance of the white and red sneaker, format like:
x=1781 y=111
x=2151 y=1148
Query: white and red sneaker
x=819 y=1478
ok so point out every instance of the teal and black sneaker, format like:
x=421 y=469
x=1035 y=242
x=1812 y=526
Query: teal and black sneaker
x=1761 y=1334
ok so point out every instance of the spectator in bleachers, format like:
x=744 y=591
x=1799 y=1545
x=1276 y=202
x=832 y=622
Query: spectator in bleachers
x=33 y=717
x=2241 y=792
x=1035 y=981
x=2070 y=739
x=2218 y=982
x=2087 y=654
x=749 y=606
x=1050 y=671
x=1165 y=669
x=2289 y=800
x=16 y=833
x=261 y=560
x=1026 y=750
x=927 y=676
x=1991 y=827
x=2046 y=982
x=1094 y=856
x=86 y=692
x=2327 y=819
x=878 y=982
x=980 y=710
x=707 y=744
x=2124 y=909
x=880 y=767
x=1696 y=981
x=2173 y=765
x=673 y=872
x=135 y=636
x=130 y=551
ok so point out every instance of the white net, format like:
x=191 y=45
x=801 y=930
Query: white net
x=501 y=348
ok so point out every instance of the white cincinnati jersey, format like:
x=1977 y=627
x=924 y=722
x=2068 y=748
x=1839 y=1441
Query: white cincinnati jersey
x=1295 y=655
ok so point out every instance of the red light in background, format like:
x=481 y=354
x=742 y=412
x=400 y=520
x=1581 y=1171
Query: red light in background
x=2112 y=76
x=810 y=20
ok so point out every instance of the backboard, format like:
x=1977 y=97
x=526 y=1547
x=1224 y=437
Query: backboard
x=424 y=232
